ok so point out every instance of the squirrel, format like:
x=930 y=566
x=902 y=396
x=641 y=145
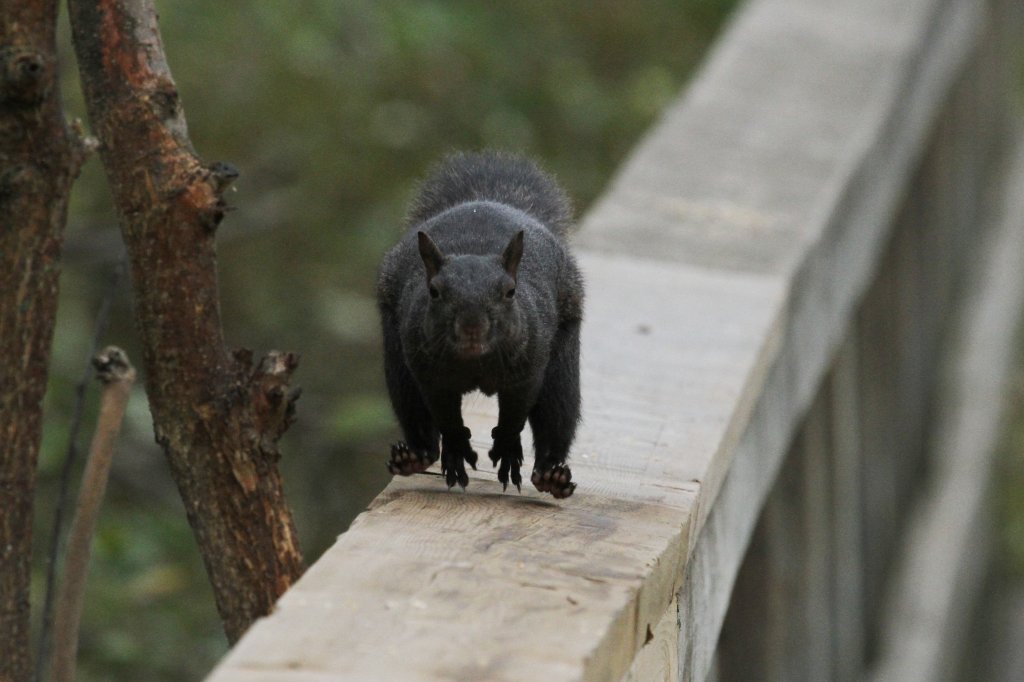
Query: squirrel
x=482 y=292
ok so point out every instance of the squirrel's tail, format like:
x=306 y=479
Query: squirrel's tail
x=493 y=176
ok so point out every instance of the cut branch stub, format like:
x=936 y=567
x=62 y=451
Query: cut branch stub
x=112 y=364
x=223 y=175
x=274 y=401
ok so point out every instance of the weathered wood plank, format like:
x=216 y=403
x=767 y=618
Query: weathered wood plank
x=780 y=619
x=658 y=659
x=816 y=508
x=847 y=539
x=842 y=261
x=941 y=568
x=880 y=435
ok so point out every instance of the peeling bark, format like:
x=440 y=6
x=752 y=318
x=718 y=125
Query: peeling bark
x=217 y=415
x=40 y=156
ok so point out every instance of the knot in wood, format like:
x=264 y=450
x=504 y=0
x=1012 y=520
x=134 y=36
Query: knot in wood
x=24 y=76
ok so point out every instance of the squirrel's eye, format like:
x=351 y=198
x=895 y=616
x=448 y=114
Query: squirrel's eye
x=510 y=293
x=434 y=293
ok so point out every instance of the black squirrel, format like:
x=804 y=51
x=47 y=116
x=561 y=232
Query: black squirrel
x=482 y=293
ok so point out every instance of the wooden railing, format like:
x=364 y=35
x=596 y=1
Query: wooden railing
x=802 y=292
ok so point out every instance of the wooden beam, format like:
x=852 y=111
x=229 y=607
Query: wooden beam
x=942 y=565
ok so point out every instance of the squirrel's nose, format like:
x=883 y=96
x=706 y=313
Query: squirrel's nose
x=472 y=329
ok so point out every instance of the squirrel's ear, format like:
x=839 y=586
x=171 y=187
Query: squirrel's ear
x=432 y=257
x=513 y=254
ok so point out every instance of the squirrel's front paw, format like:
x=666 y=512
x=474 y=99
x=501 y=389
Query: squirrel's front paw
x=557 y=480
x=406 y=461
x=454 y=454
x=508 y=451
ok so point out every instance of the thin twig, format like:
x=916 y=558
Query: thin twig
x=117 y=374
x=70 y=457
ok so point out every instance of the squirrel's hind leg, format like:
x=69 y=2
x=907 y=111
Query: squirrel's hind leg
x=420 y=448
x=556 y=413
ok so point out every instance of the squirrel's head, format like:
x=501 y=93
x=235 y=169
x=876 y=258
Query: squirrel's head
x=472 y=298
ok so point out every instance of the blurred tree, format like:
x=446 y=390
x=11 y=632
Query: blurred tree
x=217 y=416
x=40 y=157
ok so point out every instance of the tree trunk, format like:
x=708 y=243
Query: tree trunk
x=39 y=159
x=217 y=416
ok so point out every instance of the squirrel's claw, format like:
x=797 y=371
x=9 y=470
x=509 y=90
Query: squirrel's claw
x=509 y=452
x=455 y=474
x=453 y=459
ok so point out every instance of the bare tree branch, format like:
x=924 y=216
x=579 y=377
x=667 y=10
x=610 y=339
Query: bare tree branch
x=71 y=454
x=218 y=415
x=117 y=374
x=40 y=156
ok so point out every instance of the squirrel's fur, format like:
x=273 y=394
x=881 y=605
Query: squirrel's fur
x=482 y=293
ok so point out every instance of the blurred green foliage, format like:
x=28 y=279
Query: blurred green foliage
x=331 y=110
